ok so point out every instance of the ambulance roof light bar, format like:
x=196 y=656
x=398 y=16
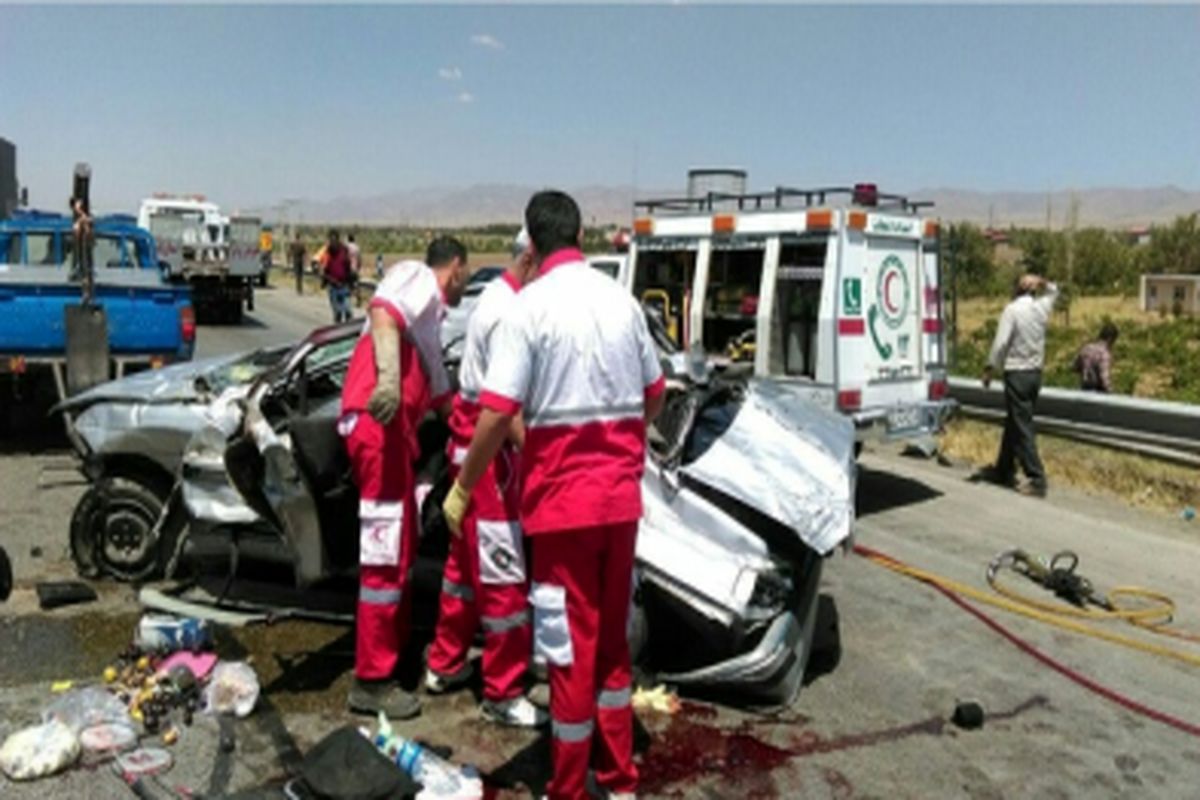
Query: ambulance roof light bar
x=780 y=197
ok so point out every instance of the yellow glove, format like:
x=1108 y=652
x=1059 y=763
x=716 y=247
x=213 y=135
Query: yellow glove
x=454 y=508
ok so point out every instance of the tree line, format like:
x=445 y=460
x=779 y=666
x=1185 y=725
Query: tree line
x=1088 y=261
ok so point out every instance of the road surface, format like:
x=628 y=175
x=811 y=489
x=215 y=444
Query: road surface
x=875 y=725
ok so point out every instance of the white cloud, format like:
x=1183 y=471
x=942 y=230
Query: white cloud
x=450 y=74
x=487 y=40
x=464 y=97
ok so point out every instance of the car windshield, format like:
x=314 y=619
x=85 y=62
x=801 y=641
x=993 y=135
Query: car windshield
x=245 y=369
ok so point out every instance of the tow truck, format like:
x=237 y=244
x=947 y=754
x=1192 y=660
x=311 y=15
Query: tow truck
x=68 y=323
x=835 y=290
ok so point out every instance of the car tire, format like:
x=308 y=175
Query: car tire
x=112 y=530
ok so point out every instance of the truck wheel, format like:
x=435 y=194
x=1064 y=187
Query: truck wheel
x=234 y=310
x=112 y=530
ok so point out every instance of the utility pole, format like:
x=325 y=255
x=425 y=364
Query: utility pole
x=1072 y=223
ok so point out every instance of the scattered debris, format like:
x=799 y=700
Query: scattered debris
x=106 y=740
x=38 y=751
x=1187 y=515
x=6 y=575
x=440 y=779
x=968 y=715
x=233 y=689
x=162 y=633
x=55 y=594
x=35 y=552
x=144 y=761
x=86 y=708
x=659 y=699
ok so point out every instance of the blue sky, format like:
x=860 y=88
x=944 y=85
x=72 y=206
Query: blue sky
x=250 y=105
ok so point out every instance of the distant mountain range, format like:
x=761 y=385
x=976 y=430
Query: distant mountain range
x=503 y=203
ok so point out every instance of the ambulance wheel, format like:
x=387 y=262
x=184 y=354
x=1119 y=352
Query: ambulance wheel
x=113 y=529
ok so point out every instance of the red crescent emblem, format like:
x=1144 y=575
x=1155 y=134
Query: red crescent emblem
x=887 y=293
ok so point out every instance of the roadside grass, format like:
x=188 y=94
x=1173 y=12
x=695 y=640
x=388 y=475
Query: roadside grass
x=1141 y=482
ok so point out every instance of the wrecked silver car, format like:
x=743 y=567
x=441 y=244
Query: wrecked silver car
x=747 y=487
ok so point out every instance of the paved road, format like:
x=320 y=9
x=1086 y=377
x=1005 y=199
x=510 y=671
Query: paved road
x=874 y=726
x=279 y=316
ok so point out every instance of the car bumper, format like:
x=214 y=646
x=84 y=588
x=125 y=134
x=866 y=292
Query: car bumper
x=910 y=421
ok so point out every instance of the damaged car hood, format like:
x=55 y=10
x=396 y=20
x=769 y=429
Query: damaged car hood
x=773 y=453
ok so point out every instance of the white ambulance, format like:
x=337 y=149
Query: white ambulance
x=834 y=289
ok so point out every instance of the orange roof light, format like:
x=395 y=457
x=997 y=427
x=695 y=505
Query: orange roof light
x=858 y=220
x=643 y=226
x=723 y=223
x=931 y=229
x=820 y=220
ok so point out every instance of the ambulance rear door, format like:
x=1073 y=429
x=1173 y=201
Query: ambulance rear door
x=881 y=347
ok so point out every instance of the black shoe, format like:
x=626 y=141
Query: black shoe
x=992 y=475
x=371 y=697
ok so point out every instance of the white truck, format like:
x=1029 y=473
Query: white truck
x=835 y=290
x=218 y=256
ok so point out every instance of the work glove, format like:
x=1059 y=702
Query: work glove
x=454 y=507
x=385 y=398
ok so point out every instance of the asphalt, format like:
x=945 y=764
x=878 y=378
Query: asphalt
x=873 y=724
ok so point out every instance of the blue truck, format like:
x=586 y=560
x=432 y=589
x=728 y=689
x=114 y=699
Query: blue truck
x=150 y=321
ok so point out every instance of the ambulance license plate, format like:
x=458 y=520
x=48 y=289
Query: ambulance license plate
x=902 y=420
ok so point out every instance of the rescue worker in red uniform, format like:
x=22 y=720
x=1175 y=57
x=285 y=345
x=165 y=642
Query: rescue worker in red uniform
x=574 y=357
x=395 y=376
x=485 y=580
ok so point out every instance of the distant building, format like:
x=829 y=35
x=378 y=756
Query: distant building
x=1139 y=235
x=1168 y=292
x=8 y=178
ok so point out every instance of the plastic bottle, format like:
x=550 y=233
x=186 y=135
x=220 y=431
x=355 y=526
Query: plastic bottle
x=440 y=779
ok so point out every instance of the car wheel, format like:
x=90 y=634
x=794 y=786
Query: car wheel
x=112 y=530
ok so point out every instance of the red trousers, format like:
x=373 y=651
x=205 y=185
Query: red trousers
x=484 y=585
x=582 y=581
x=387 y=541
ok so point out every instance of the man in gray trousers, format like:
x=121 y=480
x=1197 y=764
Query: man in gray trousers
x=1019 y=350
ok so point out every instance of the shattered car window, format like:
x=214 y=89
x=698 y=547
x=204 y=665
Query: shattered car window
x=244 y=370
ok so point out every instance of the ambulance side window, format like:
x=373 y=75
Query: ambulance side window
x=795 y=322
x=731 y=300
x=663 y=281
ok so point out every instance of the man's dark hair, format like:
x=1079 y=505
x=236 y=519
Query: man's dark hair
x=1108 y=332
x=333 y=233
x=350 y=238
x=443 y=250
x=553 y=221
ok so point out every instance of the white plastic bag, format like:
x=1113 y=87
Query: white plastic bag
x=39 y=751
x=86 y=708
x=233 y=689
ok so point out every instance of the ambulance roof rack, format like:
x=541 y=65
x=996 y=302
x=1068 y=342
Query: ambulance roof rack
x=779 y=198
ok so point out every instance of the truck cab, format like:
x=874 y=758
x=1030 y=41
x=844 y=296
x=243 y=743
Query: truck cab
x=835 y=290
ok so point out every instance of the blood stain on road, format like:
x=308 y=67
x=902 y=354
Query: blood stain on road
x=693 y=748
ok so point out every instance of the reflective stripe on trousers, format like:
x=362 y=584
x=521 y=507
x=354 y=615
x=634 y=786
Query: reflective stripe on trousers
x=504 y=624
x=458 y=590
x=379 y=597
x=614 y=698
x=572 y=732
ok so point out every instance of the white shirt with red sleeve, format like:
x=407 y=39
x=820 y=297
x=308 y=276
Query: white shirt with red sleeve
x=494 y=302
x=410 y=294
x=574 y=355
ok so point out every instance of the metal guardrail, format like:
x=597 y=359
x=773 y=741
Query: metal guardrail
x=1156 y=428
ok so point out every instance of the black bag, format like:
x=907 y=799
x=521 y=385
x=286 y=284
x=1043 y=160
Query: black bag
x=346 y=766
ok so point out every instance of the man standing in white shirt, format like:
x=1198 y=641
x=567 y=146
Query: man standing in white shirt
x=1019 y=351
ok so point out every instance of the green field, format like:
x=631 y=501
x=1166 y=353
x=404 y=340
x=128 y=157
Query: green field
x=1155 y=356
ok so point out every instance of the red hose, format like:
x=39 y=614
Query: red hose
x=1053 y=663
